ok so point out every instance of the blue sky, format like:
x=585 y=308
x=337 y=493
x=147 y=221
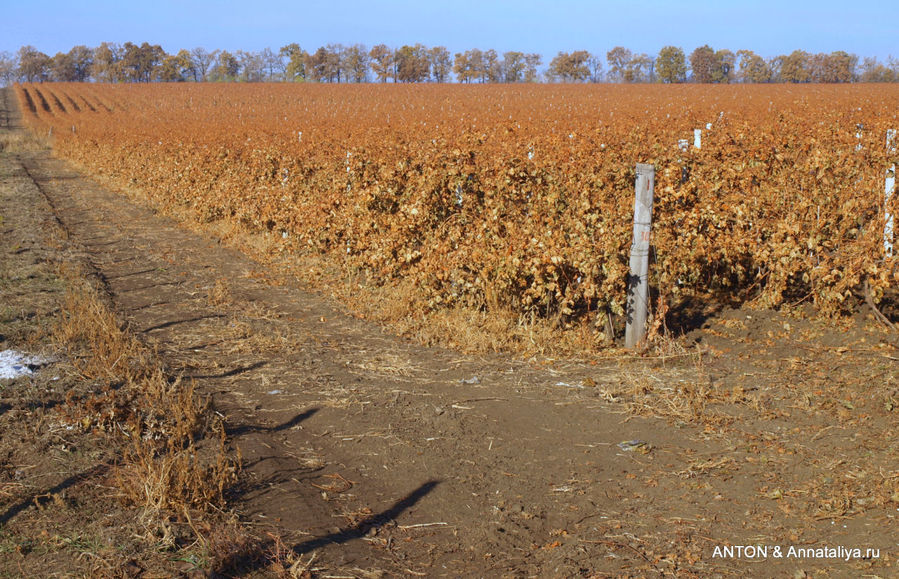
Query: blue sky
x=769 y=27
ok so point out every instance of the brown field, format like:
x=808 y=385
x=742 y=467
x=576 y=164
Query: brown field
x=516 y=201
x=178 y=250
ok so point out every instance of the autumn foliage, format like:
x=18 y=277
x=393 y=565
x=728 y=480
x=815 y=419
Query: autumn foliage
x=518 y=197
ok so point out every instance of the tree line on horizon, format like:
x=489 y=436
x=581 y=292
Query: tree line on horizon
x=336 y=63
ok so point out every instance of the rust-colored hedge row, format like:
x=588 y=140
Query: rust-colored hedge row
x=517 y=196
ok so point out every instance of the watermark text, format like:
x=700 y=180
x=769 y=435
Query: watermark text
x=760 y=552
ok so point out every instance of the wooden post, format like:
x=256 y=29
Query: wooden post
x=638 y=280
x=889 y=186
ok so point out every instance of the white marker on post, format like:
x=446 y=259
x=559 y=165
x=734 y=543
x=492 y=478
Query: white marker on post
x=888 y=189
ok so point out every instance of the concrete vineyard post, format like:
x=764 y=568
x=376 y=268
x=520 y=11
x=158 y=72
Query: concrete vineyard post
x=638 y=280
x=697 y=138
x=889 y=188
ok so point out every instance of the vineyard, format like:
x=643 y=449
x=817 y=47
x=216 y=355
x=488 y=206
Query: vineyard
x=519 y=198
x=764 y=418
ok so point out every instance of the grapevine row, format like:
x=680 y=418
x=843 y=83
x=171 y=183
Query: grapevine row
x=518 y=196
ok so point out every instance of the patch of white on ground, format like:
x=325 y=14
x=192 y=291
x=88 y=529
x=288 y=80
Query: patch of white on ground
x=14 y=364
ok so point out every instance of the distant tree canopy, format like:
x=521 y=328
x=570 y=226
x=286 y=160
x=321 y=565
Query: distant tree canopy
x=34 y=66
x=671 y=65
x=711 y=66
x=753 y=68
x=625 y=66
x=477 y=65
x=336 y=63
x=570 y=67
x=412 y=64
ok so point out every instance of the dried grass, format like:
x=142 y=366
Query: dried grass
x=104 y=350
x=176 y=464
x=388 y=364
x=686 y=400
x=285 y=563
x=22 y=141
x=220 y=294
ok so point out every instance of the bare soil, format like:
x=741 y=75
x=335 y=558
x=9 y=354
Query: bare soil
x=365 y=455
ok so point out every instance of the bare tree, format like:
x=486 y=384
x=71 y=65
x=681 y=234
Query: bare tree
x=531 y=62
x=594 y=63
x=335 y=64
x=382 y=62
x=8 y=66
x=874 y=71
x=252 y=66
x=441 y=63
x=273 y=64
x=203 y=61
x=356 y=61
x=619 y=58
x=226 y=68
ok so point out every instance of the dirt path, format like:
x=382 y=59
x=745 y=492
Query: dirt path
x=374 y=454
x=314 y=397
